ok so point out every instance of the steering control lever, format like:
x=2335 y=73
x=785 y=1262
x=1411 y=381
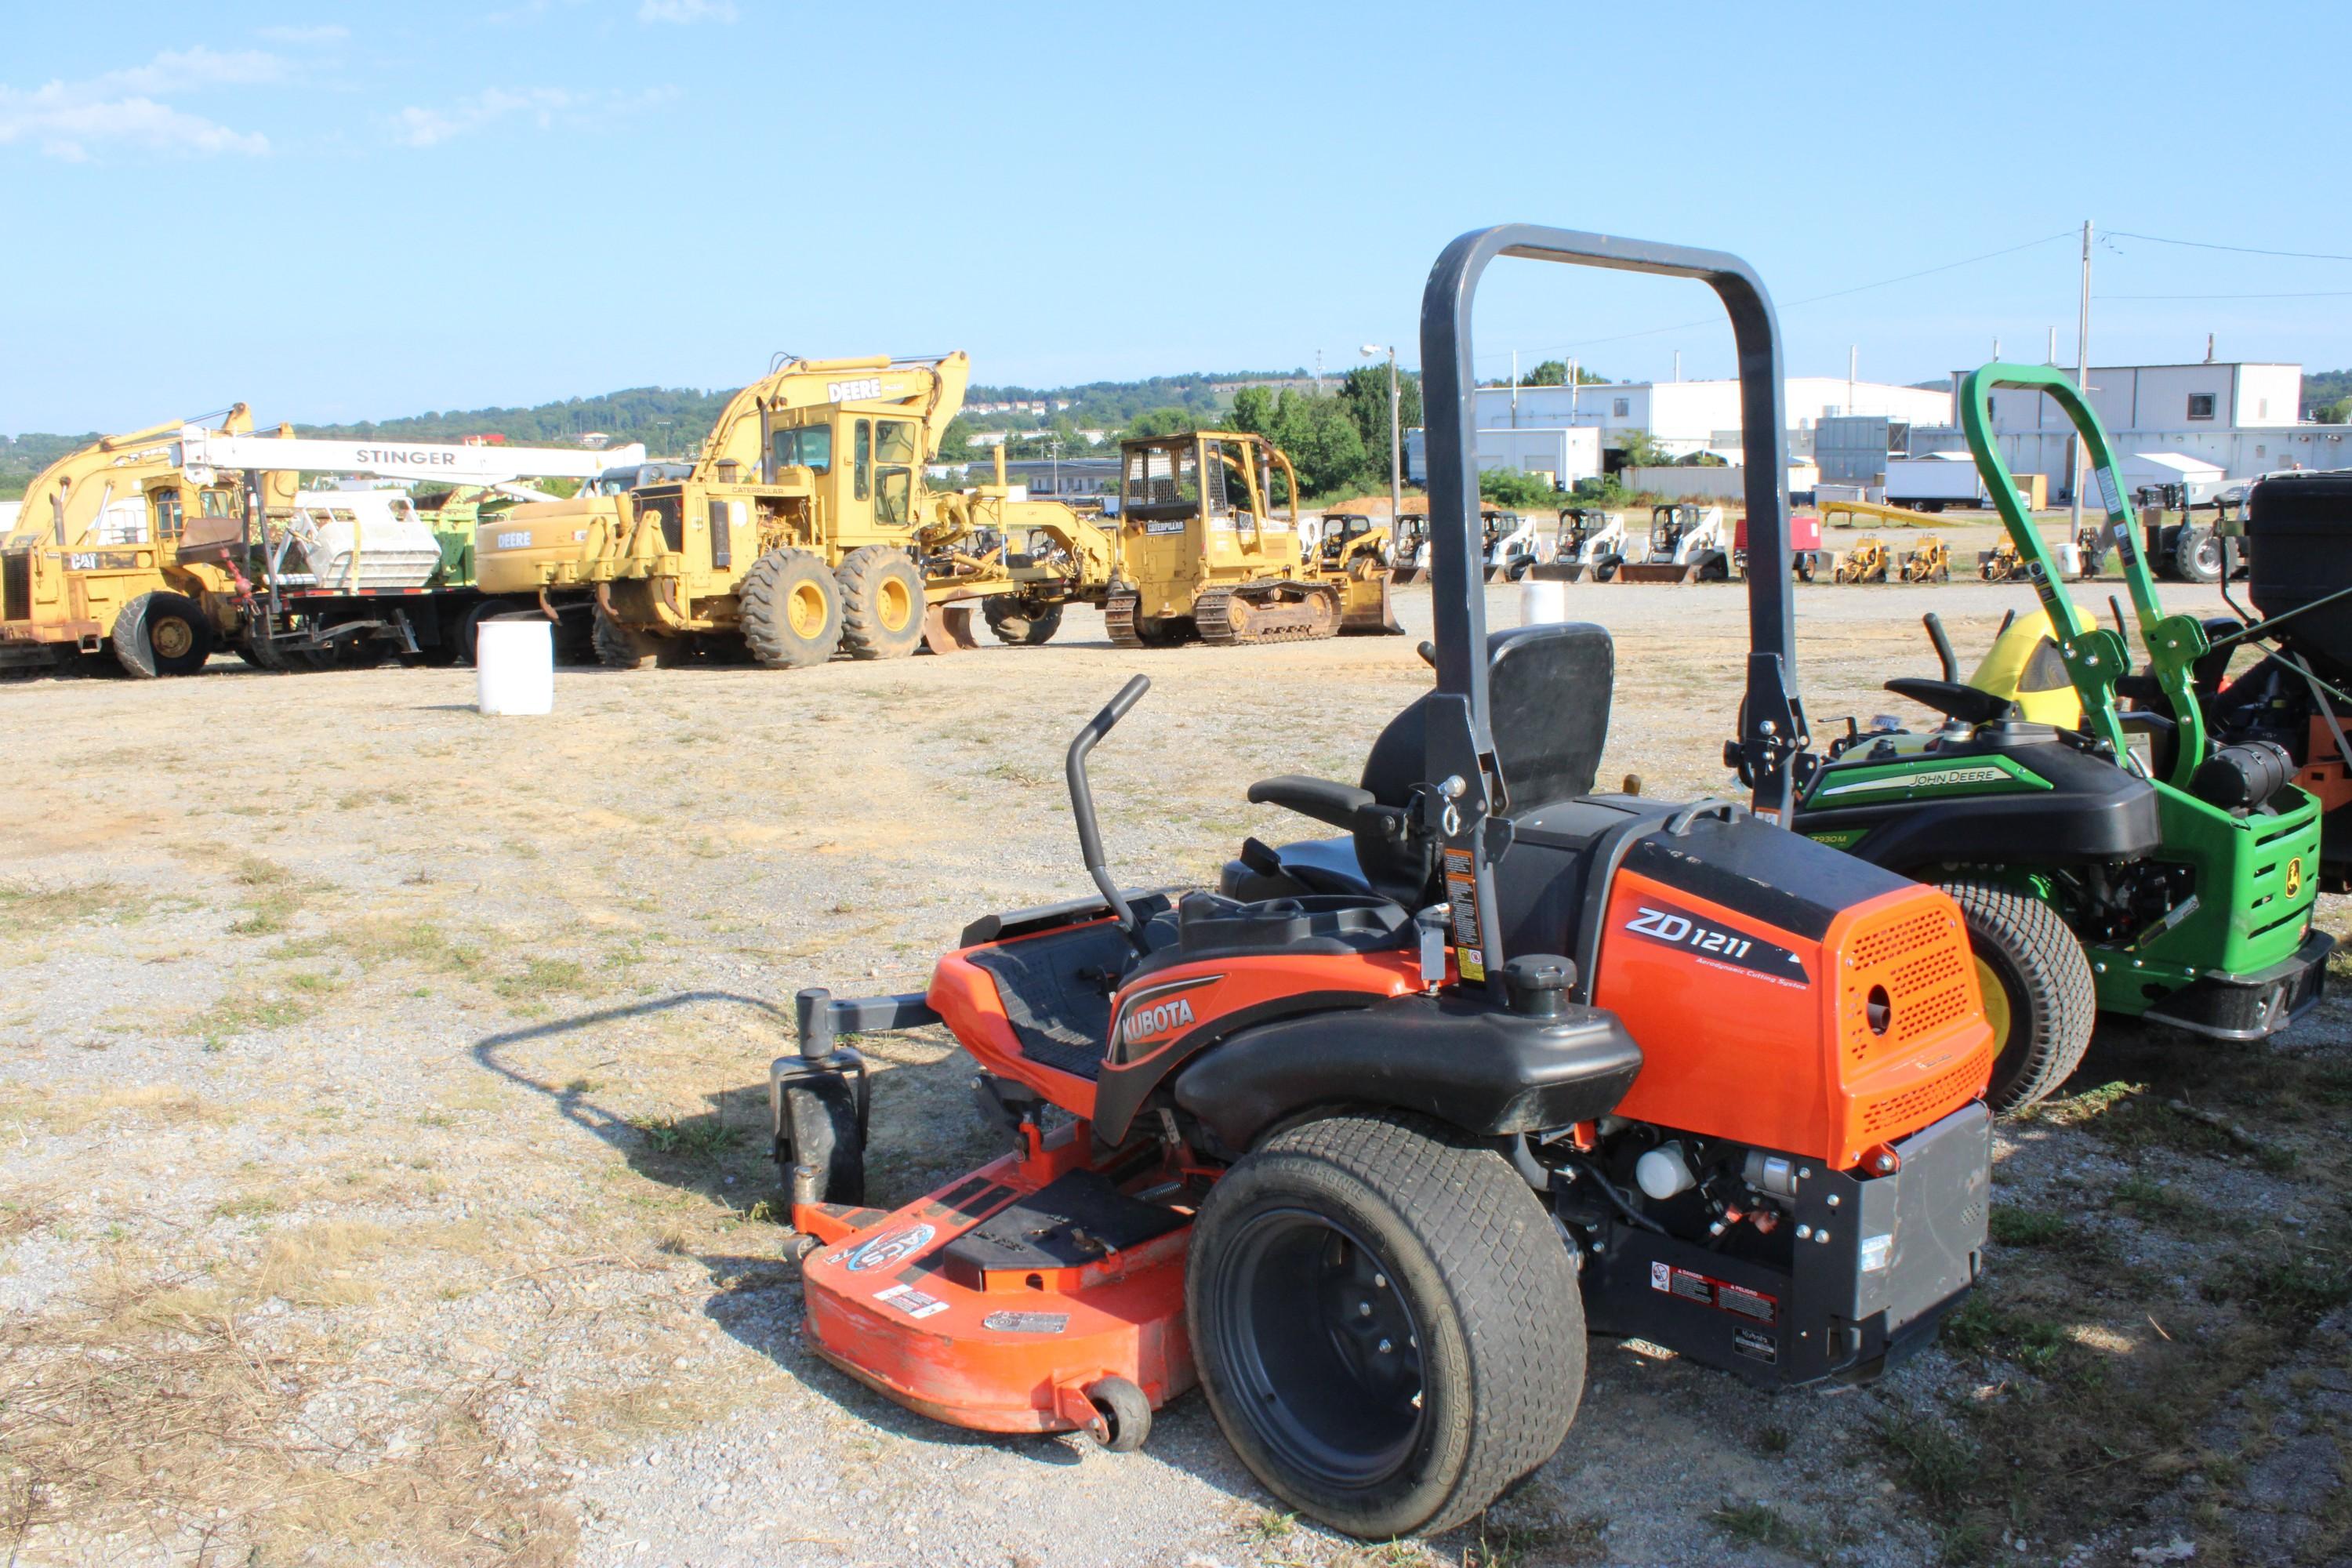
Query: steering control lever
x=1082 y=803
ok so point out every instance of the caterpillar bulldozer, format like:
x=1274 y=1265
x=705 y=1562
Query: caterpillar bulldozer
x=1205 y=556
x=803 y=528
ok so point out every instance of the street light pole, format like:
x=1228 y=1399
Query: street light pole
x=1396 y=439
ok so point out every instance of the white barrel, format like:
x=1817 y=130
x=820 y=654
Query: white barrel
x=1540 y=603
x=514 y=666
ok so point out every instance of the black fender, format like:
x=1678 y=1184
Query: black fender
x=1465 y=1062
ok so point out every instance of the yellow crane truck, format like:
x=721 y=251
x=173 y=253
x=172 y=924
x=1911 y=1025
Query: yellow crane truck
x=803 y=528
x=1205 y=556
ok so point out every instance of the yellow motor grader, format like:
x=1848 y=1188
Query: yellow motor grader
x=1205 y=556
x=803 y=528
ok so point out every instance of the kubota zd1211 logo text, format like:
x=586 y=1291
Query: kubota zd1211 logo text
x=1158 y=1018
x=1716 y=946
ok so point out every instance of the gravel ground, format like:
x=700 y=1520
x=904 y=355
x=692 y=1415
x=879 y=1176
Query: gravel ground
x=382 y=1174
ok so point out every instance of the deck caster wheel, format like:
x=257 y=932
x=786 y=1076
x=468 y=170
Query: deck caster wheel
x=800 y=1247
x=1126 y=1414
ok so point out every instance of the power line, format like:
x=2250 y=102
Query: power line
x=2240 y=249
x=2321 y=294
x=1795 y=304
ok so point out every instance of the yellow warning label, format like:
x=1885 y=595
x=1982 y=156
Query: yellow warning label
x=1462 y=897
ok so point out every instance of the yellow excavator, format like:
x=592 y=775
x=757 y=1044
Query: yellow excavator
x=803 y=528
x=94 y=563
x=1205 y=555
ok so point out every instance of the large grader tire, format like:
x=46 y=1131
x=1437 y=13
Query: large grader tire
x=622 y=648
x=881 y=603
x=1386 y=1320
x=1020 y=624
x=791 y=610
x=162 y=634
x=2038 y=991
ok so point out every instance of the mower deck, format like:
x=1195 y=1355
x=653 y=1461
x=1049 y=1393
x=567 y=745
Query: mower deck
x=998 y=1302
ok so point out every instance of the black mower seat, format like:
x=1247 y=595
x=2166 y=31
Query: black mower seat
x=1548 y=693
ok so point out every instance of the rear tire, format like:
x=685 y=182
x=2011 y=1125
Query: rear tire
x=622 y=647
x=162 y=634
x=2046 y=1003
x=791 y=610
x=1387 y=1323
x=881 y=603
x=2197 y=555
x=1020 y=624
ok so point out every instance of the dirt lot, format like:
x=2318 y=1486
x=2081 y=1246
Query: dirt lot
x=383 y=1174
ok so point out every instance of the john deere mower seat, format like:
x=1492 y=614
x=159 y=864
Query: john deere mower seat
x=1549 y=694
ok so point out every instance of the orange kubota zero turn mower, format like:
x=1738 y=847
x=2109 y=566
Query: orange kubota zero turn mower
x=1366 y=1142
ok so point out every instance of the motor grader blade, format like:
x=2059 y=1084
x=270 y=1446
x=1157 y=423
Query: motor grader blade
x=947 y=628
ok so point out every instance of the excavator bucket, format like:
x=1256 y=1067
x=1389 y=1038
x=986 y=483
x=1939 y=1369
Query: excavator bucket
x=947 y=628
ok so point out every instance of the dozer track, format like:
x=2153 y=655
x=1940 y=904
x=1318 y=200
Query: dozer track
x=1228 y=617
x=1118 y=619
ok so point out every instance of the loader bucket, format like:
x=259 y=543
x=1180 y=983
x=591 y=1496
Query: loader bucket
x=1659 y=572
x=947 y=628
x=1559 y=572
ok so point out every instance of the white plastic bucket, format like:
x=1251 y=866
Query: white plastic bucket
x=1542 y=603
x=514 y=666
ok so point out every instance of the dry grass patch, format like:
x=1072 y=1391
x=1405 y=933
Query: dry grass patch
x=151 y=1415
x=318 y=1265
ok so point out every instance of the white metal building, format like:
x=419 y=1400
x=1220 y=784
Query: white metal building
x=2238 y=416
x=1687 y=416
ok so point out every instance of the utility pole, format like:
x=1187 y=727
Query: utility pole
x=2053 y=347
x=1318 y=373
x=1852 y=368
x=1396 y=437
x=1515 y=388
x=1678 y=364
x=1572 y=384
x=2082 y=380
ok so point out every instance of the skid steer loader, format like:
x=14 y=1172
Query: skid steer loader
x=1591 y=543
x=1204 y=555
x=1411 y=548
x=1687 y=543
x=1363 y=1143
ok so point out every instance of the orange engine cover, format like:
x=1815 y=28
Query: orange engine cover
x=1820 y=1046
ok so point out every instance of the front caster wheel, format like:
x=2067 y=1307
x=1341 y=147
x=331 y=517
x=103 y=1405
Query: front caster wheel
x=1387 y=1324
x=1126 y=1413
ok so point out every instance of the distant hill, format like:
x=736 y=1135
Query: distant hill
x=2322 y=387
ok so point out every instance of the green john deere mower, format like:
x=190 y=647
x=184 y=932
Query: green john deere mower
x=2106 y=860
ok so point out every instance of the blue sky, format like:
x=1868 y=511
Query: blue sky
x=340 y=211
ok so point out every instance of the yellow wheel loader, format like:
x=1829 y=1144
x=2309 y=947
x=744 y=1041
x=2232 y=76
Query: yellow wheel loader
x=1204 y=556
x=803 y=528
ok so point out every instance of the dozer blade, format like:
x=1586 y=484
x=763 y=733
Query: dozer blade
x=1364 y=617
x=947 y=628
x=1658 y=571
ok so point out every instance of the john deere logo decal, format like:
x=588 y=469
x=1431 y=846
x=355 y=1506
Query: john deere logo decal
x=2295 y=876
x=884 y=1250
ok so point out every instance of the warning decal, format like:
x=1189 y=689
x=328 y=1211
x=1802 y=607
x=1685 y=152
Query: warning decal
x=1462 y=893
x=911 y=1301
x=1691 y=1286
